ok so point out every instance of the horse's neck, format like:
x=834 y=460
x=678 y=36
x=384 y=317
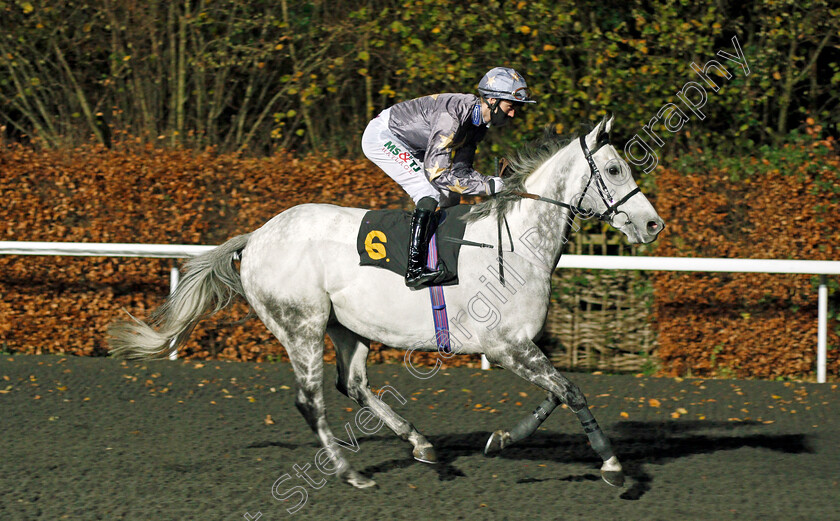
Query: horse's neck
x=540 y=230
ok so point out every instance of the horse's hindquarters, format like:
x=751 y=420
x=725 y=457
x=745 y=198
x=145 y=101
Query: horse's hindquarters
x=290 y=258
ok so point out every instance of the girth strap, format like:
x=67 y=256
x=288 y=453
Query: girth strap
x=438 y=303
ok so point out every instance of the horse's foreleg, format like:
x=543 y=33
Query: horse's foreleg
x=527 y=361
x=352 y=380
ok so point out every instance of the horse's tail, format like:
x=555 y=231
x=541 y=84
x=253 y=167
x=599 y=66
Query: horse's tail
x=210 y=278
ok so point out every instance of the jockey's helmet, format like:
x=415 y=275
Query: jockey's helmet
x=504 y=83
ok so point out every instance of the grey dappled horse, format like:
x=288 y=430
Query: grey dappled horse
x=300 y=274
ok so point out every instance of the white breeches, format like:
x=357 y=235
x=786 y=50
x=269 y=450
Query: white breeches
x=390 y=154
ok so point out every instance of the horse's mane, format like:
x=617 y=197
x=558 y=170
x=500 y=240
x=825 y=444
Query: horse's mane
x=526 y=160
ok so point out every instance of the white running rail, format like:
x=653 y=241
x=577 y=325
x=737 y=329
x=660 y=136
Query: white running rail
x=604 y=262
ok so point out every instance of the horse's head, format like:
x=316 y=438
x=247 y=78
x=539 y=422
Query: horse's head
x=609 y=192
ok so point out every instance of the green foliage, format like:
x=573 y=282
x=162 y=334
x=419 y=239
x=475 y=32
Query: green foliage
x=800 y=155
x=309 y=75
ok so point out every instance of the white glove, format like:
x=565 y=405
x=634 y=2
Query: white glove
x=494 y=185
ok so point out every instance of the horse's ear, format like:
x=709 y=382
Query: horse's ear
x=606 y=124
x=604 y=128
x=600 y=135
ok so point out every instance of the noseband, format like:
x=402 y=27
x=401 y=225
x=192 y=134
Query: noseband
x=594 y=175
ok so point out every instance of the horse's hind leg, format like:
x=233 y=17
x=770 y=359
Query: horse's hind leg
x=351 y=356
x=527 y=361
x=300 y=328
x=526 y=427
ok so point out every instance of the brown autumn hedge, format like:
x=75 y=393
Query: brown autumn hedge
x=145 y=195
x=708 y=324
x=748 y=325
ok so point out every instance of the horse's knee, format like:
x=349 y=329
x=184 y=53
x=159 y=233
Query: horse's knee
x=573 y=397
x=352 y=387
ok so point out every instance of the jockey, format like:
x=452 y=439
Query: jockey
x=427 y=145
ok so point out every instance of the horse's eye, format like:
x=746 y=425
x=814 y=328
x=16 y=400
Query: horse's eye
x=613 y=170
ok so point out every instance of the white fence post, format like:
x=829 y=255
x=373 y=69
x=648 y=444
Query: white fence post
x=822 y=331
x=174 y=277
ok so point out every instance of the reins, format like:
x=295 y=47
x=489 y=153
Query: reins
x=601 y=187
x=607 y=215
x=594 y=175
x=577 y=209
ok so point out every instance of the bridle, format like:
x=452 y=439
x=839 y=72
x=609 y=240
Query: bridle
x=594 y=175
x=601 y=187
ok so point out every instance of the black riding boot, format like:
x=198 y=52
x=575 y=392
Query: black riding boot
x=417 y=273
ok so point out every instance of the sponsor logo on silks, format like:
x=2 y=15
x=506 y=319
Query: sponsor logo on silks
x=403 y=158
x=477 y=120
x=392 y=148
x=376 y=250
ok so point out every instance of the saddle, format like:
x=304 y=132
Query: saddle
x=384 y=235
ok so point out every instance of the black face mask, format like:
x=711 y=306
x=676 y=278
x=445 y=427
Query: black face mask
x=498 y=117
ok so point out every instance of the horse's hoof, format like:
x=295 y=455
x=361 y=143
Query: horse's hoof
x=357 y=480
x=425 y=454
x=498 y=441
x=616 y=479
x=612 y=473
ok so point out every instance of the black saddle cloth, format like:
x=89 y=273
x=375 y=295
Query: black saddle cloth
x=383 y=241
